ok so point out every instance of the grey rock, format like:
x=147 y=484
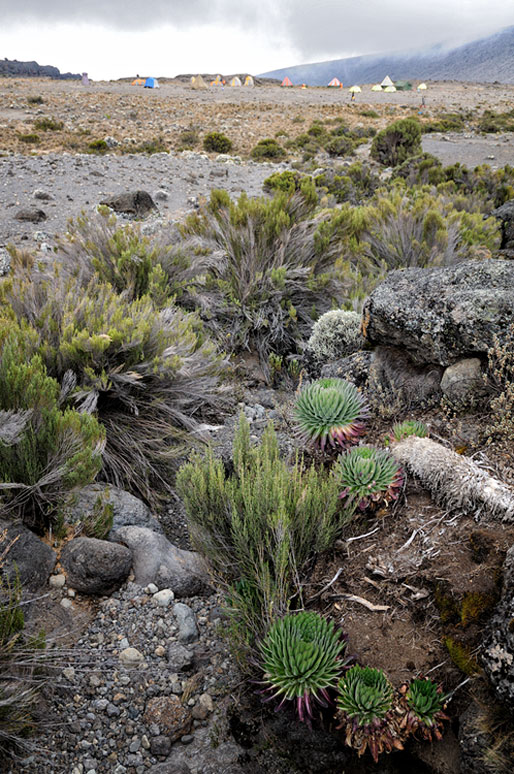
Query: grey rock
x=505 y=215
x=95 y=566
x=475 y=740
x=354 y=368
x=161 y=195
x=130 y=657
x=31 y=215
x=393 y=373
x=180 y=659
x=168 y=767
x=126 y=509
x=164 y=597
x=186 y=620
x=28 y=556
x=463 y=380
x=156 y=560
x=440 y=315
x=138 y=203
x=43 y=196
x=498 y=656
x=5 y=261
x=111 y=142
x=160 y=745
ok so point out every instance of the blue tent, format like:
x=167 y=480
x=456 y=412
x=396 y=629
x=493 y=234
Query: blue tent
x=151 y=83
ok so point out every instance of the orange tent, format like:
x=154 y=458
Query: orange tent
x=335 y=82
x=286 y=82
x=138 y=82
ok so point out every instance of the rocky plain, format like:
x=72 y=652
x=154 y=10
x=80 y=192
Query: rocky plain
x=140 y=675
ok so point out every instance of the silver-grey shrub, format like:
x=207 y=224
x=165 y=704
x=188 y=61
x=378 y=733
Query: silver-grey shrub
x=335 y=334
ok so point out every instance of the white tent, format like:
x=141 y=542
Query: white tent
x=390 y=88
x=422 y=87
x=236 y=81
x=387 y=81
x=249 y=81
x=376 y=87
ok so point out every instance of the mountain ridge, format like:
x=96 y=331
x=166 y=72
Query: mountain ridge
x=486 y=59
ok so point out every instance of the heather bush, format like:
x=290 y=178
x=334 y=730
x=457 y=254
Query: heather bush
x=397 y=142
x=354 y=184
x=334 y=335
x=258 y=526
x=216 y=142
x=268 y=149
x=148 y=375
x=274 y=270
x=46 y=124
x=288 y=181
x=54 y=450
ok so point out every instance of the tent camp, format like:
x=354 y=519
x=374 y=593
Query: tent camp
x=236 y=81
x=355 y=89
x=217 y=81
x=286 y=82
x=151 y=83
x=197 y=82
x=422 y=87
x=249 y=81
x=390 y=88
x=387 y=81
x=335 y=82
x=403 y=85
x=376 y=87
x=138 y=82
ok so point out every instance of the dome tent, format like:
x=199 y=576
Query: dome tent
x=376 y=87
x=387 y=81
x=236 y=81
x=249 y=81
x=422 y=87
x=390 y=88
x=151 y=83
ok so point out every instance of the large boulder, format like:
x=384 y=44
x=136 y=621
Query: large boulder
x=95 y=566
x=441 y=315
x=505 y=215
x=498 y=657
x=138 y=203
x=127 y=510
x=26 y=556
x=156 y=560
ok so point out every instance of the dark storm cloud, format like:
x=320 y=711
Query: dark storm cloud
x=315 y=28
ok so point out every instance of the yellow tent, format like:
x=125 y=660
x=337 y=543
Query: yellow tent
x=236 y=81
x=376 y=87
x=390 y=88
x=355 y=89
x=217 y=81
x=197 y=82
x=422 y=87
x=138 y=82
x=249 y=81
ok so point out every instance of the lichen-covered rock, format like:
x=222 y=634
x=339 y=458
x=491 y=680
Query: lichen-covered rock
x=498 y=657
x=354 y=368
x=25 y=555
x=167 y=712
x=127 y=510
x=463 y=380
x=95 y=566
x=505 y=215
x=440 y=315
x=138 y=203
x=392 y=372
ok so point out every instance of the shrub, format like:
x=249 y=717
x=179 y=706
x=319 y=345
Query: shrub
x=48 y=124
x=301 y=660
x=274 y=269
x=397 y=142
x=492 y=122
x=98 y=146
x=501 y=380
x=335 y=334
x=331 y=411
x=29 y=138
x=288 y=181
x=216 y=142
x=369 y=477
x=365 y=703
x=268 y=149
x=35 y=100
x=188 y=139
x=351 y=184
x=55 y=450
x=131 y=262
x=259 y=526
x=148 y=375
x=157 y=145
x=339 y=146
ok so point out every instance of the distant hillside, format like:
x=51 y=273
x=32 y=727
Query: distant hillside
x=12 y=68
x=487 y=60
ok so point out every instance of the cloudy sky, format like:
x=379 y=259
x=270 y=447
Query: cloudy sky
x=115 y=38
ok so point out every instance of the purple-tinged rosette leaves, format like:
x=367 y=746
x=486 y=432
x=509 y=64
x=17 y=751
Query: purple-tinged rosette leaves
x=331 y=411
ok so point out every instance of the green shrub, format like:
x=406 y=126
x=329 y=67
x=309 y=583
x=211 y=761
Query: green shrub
x=339 y=146
x=335 y=334
x=492 y=122
x=48 y=124
x=36 y=100
x=397 y=142
x=268 y=149
x=29 y=138
x=216 y=142
x=157 y=145
x=259 y=526
x=98 y=146
x=446 y=122
x=369 y=113
x=353 y=184
x=188 y=139
x=55 y=451
x=149 y=376
x=288 y=181
x=274 y=269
